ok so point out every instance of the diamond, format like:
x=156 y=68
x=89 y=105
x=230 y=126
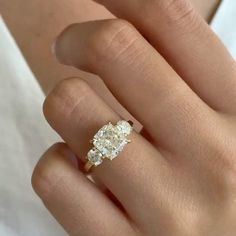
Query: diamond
x=124 y=127
x=110 y=140
x=95 y=157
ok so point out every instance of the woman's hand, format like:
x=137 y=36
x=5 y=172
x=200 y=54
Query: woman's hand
x=178 y=176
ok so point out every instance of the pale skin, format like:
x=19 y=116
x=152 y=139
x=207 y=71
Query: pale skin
x=35 y=32
x=178 y=177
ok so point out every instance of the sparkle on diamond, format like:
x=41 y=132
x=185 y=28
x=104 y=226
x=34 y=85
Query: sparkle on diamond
x=124 y=127
x=95 y=157
x=110 y=140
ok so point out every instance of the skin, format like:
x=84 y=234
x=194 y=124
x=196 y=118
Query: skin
x=206 y=8
x=36 y=35
x=177 y=179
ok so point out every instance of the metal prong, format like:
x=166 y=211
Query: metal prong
x=131 y=123
x=88 y=166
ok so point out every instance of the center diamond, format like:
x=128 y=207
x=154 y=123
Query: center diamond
x=110 y=141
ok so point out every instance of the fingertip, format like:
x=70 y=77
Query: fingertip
x=56 y=49
x=47 y=172
x=61 y=46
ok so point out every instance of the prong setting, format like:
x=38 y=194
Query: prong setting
x=109 y=141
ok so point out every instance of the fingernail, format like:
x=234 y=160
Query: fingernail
x=54 y=50
x=60 y=46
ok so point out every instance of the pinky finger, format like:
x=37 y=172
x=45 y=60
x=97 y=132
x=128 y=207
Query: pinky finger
x=76 y=203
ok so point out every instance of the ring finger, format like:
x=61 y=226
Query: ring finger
x=76 y=113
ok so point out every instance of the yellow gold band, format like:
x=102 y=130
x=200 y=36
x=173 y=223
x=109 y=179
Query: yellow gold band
x=88 y=166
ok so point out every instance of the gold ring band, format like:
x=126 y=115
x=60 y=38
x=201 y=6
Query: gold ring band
x=88 y=166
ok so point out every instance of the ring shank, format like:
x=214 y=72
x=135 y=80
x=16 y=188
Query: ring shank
x=88 y=166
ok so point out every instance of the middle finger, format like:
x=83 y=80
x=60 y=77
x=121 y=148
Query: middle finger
x=139 y=77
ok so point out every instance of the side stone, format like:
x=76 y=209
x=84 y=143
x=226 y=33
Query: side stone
x=95 y=157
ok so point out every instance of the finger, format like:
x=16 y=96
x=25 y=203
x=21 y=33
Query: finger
x=73 y=200
x=189 y=45
x=77 y=113
x=138 y=76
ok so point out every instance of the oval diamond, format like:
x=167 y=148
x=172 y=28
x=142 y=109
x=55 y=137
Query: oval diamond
x=95 y=157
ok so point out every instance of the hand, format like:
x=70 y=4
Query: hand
x=178 y=176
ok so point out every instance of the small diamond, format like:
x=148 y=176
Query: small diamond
x=95 y=157
x=124 y=127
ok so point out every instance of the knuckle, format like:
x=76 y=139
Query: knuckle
x=70 y=86
x=111 y=40
x=65 y=97
x=178 y=12
x=224 y=157
x=229 y=169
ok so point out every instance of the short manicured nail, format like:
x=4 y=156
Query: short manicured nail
x=55 y=50
x=61 y=47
